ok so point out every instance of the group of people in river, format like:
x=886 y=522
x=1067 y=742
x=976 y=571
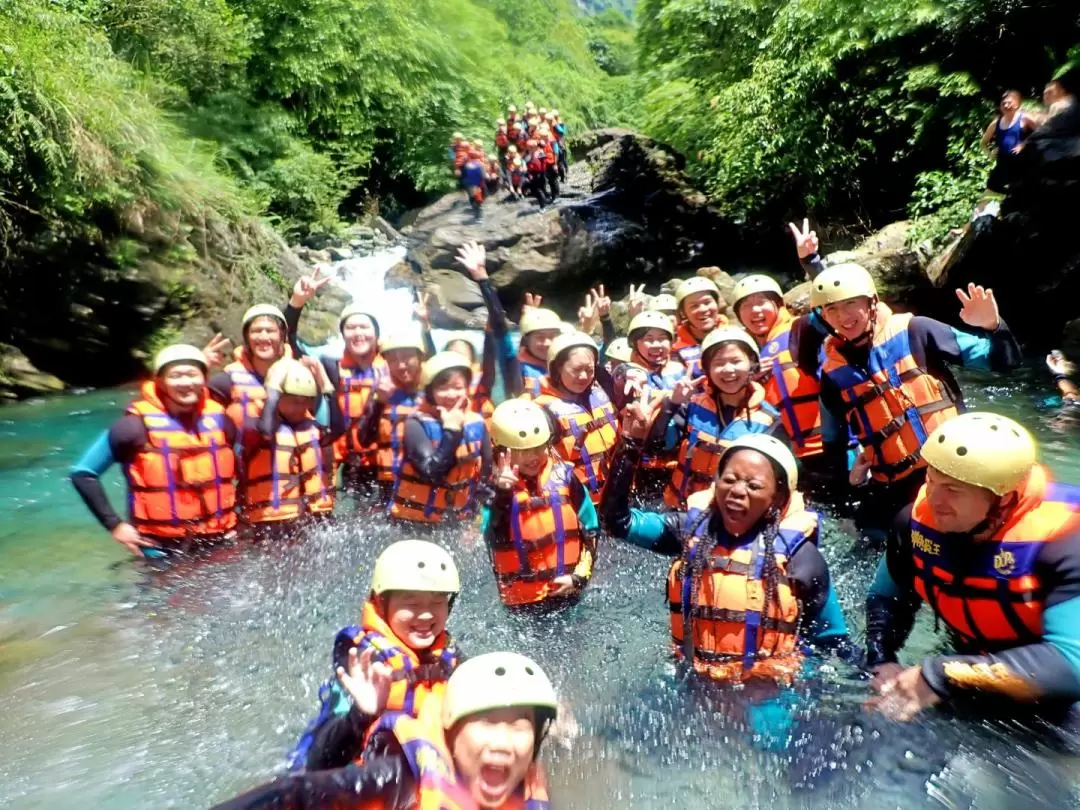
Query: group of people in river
x=702 y=438
x=530 y=158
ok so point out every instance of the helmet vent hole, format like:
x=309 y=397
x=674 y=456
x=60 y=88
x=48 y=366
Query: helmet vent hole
x=529 y=670
x=420 y=564
x=941 y=439
x=961 y=451
x=993 y=427
x=500 y=671
x=836 y=283
x=522 y=433
x=442 y=566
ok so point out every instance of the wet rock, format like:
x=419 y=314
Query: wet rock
x=797 y=298
x=19 y=378
x=897 y=267
x=629 y=214
x=340 y=254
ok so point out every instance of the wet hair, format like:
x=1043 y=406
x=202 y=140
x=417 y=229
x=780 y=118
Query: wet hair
x=696 y=559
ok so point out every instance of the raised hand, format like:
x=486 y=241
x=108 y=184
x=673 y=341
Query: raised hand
x=588 y=319
x=318 y=372
x=367 y=681
x=638 y=416
x=215 y=351
x=421 y=308
x=806 y=240
x=532 y=301
x=454 y=418
x=979 y=308
x=506 y=475
x=1058 y=365
x=474 y=259
x=637 y=302
x=601 y=301
x=903 y=697
x=307 y=286
x=685 y=389
x=384 y=389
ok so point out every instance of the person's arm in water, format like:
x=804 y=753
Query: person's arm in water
x=339 y=740
x=1060 y=368
x=1048 y=670
x=823 y=621
x=590 y=531
x=649 y=530
x=892 y=603
x=431 y=463
x=384 y=780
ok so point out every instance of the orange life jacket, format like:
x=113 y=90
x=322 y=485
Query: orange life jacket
x=502 y=138
x=893 y=405
x=687 y=348
x=415 y=676
x=794 y=392
x=423 y=743
x=532 y=373
x=708 y=435
x=585 y=436
x=735 y=637
x=355 y=388
x=545 y=539
x=389 y=454
x=989 y=593
x=454 y=497
x=288 y=476
x=248 y=392
x=181 y=481
x=480 y=396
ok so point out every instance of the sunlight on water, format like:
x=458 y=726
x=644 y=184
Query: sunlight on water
x=122 y=687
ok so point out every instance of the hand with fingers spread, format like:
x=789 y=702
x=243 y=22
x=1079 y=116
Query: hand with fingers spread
x=421 y=309
x=506 y=474
x=532 y=301
x=215 y=351
x=806 y=240
x=638 y=416
x=636 y=302
x=307 y=286
x=979 y=308
x=685 y=389
x=473 y=258
x=367 y=681
x=601 y=301
x=275 y=375
x=1058 y=365
x=904 y=696
x=454 y=418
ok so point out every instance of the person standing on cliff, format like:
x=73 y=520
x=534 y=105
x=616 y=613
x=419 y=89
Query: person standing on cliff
x=1004 y=138
x=473 y=180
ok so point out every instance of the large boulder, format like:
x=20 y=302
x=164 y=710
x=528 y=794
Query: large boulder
x=898 y=269
x=628 y=213
x=1029 y=254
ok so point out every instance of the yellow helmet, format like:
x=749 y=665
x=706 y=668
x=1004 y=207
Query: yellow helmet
x=840 y=283
x=356 y=309
x=501 y=122
x=537 y=320
x=512 y=108
x=542 y=111
x=570 y=340
x=179 y=353
x=511 y=150
x=555 y=113
x=651 y=320
x=695 y=285
x=415 y=565
x=259 y=311
x=520 y=424
x=664 y=302
x=619 y=350
x=757 y=283
x=297 y=379
x=498 y=680
x=771 y=447
x=404 y=338
x=458 y=136
x=982 y=449
x=529 y=105
x=445 y=361
x=729 y=334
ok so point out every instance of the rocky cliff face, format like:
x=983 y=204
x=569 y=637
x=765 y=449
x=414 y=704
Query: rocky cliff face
x=627 y=214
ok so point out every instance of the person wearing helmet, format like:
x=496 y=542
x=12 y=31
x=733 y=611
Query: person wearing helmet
x=396 y=397
x=172 y=427
x=546 y=141
x=396 y=658
x=666 y=303
x=992 y=544
x=558 y=127
x=650 y=337
x=617 y=352
x=446 y=451
x=239 y=386
x=789 y=363
x=477 y=746
x=748 y=587
x=512 y=116
x=707 y=413
x=502 y=141
x=515 y=171
x=288 y=460
x=541 y=527
x=698 y=308
x=885 y=377
x=539 y=328
x=582 y=416
x=536 y=166
x=474 y=180
x=461 y=155
x=354 y=375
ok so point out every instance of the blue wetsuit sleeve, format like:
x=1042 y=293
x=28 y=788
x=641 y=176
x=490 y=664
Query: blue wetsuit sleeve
x=982 y=350
x=322 y=412
x=829 y=625
x=120 y=443
x=587 y=517
x=813 y=266
x=511 y=367
x=97 y=458
x=825 y=624
x=649 y=530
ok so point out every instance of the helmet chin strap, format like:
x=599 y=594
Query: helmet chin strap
x=995 y=518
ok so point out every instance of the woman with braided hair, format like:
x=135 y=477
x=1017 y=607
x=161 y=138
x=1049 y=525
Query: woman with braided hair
x=748 y=589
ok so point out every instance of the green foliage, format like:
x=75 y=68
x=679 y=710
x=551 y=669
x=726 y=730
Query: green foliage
x=611 y=41
x=842 y=107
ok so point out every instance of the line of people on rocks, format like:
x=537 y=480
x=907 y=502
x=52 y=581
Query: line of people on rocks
x=530 y=158
x=693 y=436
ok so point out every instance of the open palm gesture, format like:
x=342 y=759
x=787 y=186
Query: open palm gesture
x=473 y=257
x=367 y=681
x=979 y=308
